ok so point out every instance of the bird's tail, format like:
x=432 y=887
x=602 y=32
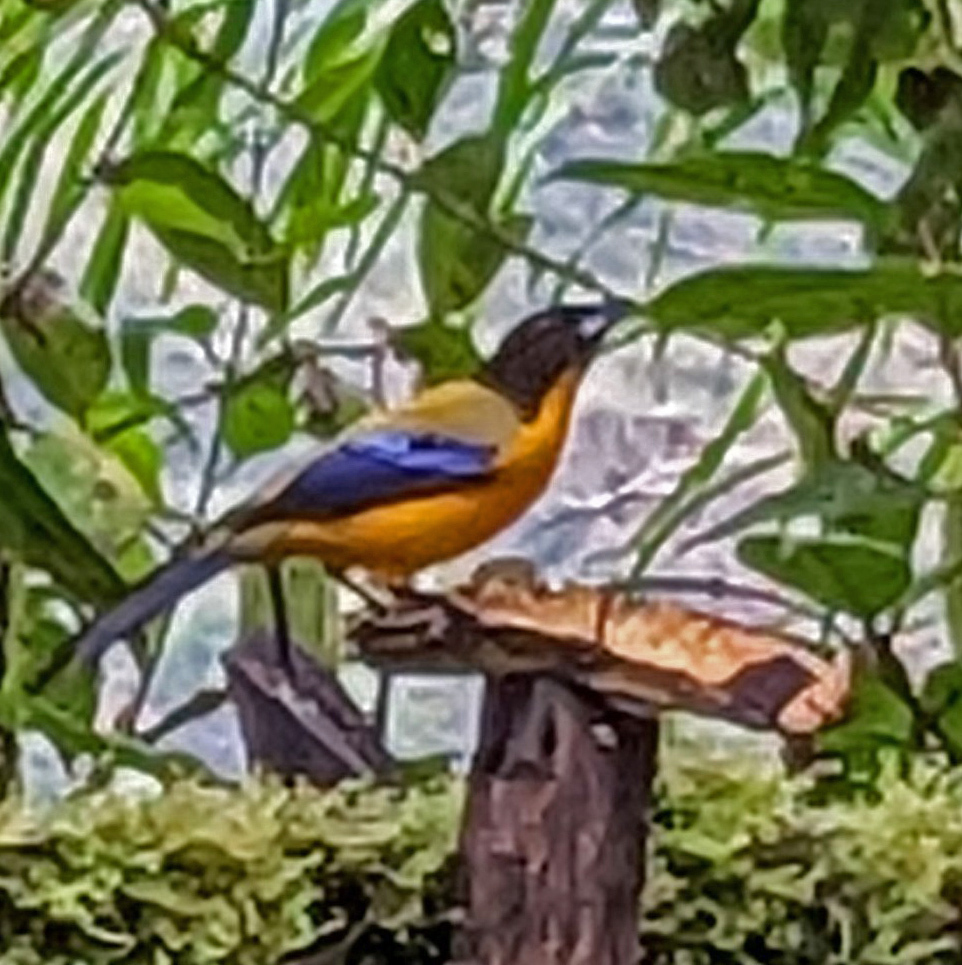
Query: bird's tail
x=158 y=592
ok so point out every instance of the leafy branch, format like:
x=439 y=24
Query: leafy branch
x=409 y=181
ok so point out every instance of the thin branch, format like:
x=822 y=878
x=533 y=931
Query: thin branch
x=716 y=588
x=382 y=235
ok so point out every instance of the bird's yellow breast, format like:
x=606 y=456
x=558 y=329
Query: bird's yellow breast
x=398 y=539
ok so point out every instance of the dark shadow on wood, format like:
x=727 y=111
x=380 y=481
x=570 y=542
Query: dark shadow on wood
x=302 y=723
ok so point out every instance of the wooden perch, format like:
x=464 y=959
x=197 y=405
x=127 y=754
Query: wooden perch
x=641 y=655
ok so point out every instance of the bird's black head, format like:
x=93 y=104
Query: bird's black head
x=546 y=345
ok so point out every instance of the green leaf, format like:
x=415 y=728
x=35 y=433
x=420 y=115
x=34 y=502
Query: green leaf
x=805 y=29
x=66 y=359
x=515 y=85
x=841 y=572
x=313 y=200
x=467 y=170
x=204 y=223
x=675 y=508
x=876 y=716
x=322 y=292
x=734 y=303
x=17 y=136
x=257 y=417
x=104 y=267
x=698 y=70
x=137 y=335
x=417 y=65
x=94 y=488
x=443 y=351
x=455 y=260
x=34 y=530
x=843 y=496
x=774 y=188
x=196 y=104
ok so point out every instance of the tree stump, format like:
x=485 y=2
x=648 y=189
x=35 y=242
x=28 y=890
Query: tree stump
x=552 y=843
x=554 y=830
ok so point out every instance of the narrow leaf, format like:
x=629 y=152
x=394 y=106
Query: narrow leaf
x=774 y=188
x=102 y=274
x=734 y=303
x=204 y=223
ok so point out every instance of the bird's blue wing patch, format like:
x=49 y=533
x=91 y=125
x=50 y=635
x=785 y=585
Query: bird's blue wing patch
x=379 y=467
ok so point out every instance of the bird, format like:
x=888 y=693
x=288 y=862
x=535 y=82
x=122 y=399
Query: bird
x=404 y=488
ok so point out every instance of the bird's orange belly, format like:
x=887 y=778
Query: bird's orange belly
x=399 y=539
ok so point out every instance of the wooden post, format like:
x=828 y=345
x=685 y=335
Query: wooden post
x=554 y=830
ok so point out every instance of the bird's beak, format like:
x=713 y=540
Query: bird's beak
x=594 y=325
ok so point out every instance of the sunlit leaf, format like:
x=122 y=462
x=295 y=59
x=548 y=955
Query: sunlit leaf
x=34 y=129
x=417 y=64
x=94 y=488
x=340 y=61
x=257 y=417
x=34 y=530
x=67 y=359
x=69 y=192
x=204 y=223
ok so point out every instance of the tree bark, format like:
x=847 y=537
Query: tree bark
x=553 y=840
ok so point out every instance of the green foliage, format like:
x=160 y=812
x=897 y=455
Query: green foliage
x=34 y=530
x=746 y=871
x=204 y=875
x=744 y=868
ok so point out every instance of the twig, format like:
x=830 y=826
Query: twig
x=717 y=588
